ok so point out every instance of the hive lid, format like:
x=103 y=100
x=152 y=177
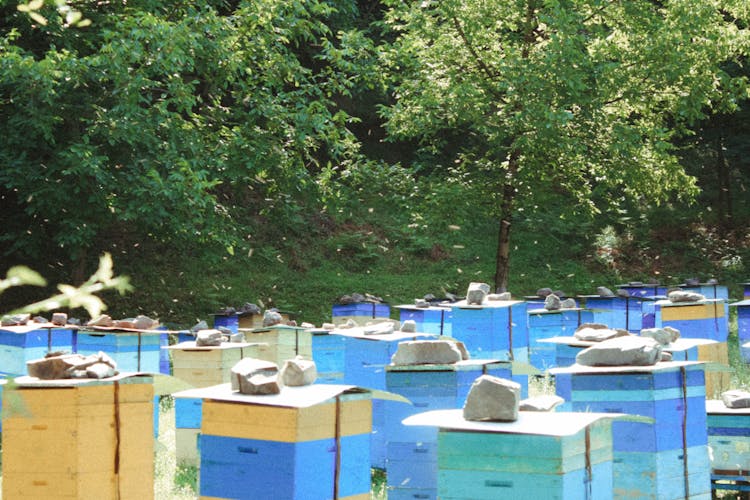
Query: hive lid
x=571 y=341
x=745 y=302
x=359 y=333
x=542 y=310
x=717 y=407
x=189 y=345
x=36 y=326
x=667 y=302
x=118 y=329
x=128 y=377
x=435 y=307
x=290 y=397
x=577 y=369
x=529 y=422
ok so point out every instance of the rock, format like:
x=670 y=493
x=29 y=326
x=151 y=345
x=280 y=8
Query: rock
x=380 y=328
x=201 y=325
x=40 y=319
x=271 y=318
x=15 y=319
x=598 y=334
x=145 y=323
x=124 y=323
x=568 y=304
x=543 y=292
x=736 y=398
x=476 y=293
x=559 y=293
x=237 y=338
x=421 y=303
x=100 y=370
x=493 y=398
x=664 y=336
x=328 y=326
x=248 y=309
x=552 y=302
x=428 y=297
x=225 y=331
x=621 y=292
x=462 y=349
x=298 y=371
x=603 y=291
x=547 y=402
x=622 y=351
x=358 y=297
x=226 y=311
x=307 y=325
x=53 y=368
x=592 y=326
x=426 y=352
x=505 y=296
x=666 y=356
x=74 y=321
x=450 y=297
x=636 y=283
x=712 y=281
x=256 y=376
x=685 y=296
x=208 y=338
x=59 y=319
x=692 y=282
x=102 y=320
x=409 y=326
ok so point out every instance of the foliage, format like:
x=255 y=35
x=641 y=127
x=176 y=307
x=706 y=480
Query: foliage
x=577 y=98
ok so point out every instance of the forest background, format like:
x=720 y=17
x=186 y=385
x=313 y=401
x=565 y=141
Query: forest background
x=286 y=152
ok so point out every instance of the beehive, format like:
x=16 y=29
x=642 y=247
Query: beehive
x=280 y=342
x=78 y=439
x=20 y=344
x=743 y=326
x=365 y=360
x=201 y=366
x=361 y=313
x=544 y=324
x=745 y=290
x=132 y=350
x=643 y=289
x=329 y=355
x=411 y=452
x=626 y=313
x=493 y=330
x=566 y=456
x=705 y=319
x=306 y=442
x=664 y=459
x=729 y=439
x=433 y=319
x=229 y=321
x=708 y=290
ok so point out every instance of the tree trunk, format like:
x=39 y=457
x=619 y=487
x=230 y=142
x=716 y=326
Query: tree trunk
x=502 y=256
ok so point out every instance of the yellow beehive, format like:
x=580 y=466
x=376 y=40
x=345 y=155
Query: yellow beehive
x=716 y=381
x=78 y=438
x=280 y=342
x=204 y=366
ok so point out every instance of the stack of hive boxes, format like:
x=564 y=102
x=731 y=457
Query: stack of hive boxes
x=493 y=330
x=278 y=343
x=23 y=343
x=361 y=313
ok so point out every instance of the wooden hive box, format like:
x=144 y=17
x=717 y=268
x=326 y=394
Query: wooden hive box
x=566 y=456
x=617 y=312
x=672 y=447
x=729 y=439
x=433 y=319
x=361 y=313
x=132 y=350
x=365 y=360
x=329 y=355
x=280 y=342
x=544 y=324
x=705 y=319
x=743 y=326
x=21 y=344
x=79 y=439
x=643 y=289
x=494 y=330
x=306 y=442
x=708 y=290
x=411 y=452
x=201 y=366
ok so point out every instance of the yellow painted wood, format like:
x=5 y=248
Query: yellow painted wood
x=697 y=311
x=716 y=381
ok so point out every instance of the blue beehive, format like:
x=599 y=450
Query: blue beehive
x=745 y=290
x=627 y=313
x=565 y=456
x=708 y=290
x=132 y=350
x=20 y=344
x=704 y=319
x=360 y=312
x=411 y=453
x=544 y=324
x=306 y=442
x=637 y=289
x=230 y=321
x=493 y=330
x=329 y=354
x=661 y=460
x=743 y=326
x=729 y=439
x=365 y=361
x=433 y=319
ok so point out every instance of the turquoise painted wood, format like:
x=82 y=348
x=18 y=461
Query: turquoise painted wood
x=626 y=313
x=729 y=440
x=495 y=330
x=329 y=355
x=743 y=327
x=132 y=351
x=188 y=412
x=16 y=349
x=362 y=309
x=710 y=291
x=545 y=324
x=433 y=319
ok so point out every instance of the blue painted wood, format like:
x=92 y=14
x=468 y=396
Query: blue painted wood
x=188 y=412
x=230 y=321
x=643 y=290
x=406 y=493
x=329 y=354
x=16 y=349
x=366 y=309
x=437 y=320
x=545 y=324
x=709 y=291
x=492 y=332
x=714 y=326
x=124 y=348
x=743 y=327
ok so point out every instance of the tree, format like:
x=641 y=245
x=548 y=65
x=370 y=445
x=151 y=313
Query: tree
x=579 y=98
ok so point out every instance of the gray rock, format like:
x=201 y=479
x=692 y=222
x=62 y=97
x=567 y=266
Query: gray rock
x=736 y=398
x=622 y=351
x=40 y=319
x=428 y=297
x=476 y=293
x=505 y=296
x=421 y=303
x=685 y=296
x=201 y=325
x=592 y=326
x=543 y=292
x=603 y=291
x=225 y=331
x=426 y=352
x=100 y=370
x=328 y=326
x=547 y=402
x=568 y=304
x=15 y=319
x=271 y=318
x=599 y=334
x=409 y=326
x=248 y=308
x=237 y=338
x=451 y=297
x=552 y=302
x=493 y=398
x=712 y=281
x=666 y=356
x=664 y=336
x=559 y=293
x=255 y=376
x=298 y=371
x=208 y=338
x=381 y=328
x=621 y=292
x=306 y=325
x=692 y=282
x=70 y=366
x=142 y=322
x=462 y=349
x=59 y=319
x=74 y=321
x=101 y=320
